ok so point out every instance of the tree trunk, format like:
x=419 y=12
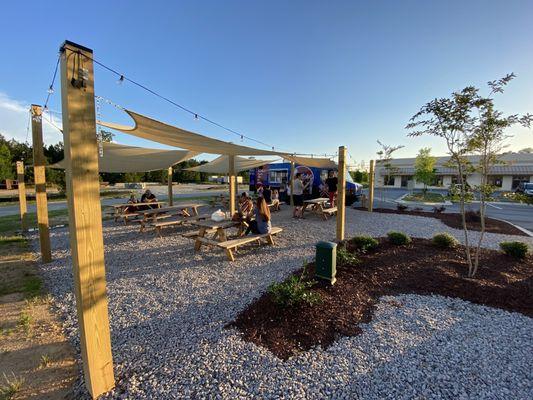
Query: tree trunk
x=463 y=217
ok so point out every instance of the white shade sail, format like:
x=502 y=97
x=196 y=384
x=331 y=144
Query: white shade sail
x=151 y=129
x=122 y=158
x=325 y=163
x=220 y=165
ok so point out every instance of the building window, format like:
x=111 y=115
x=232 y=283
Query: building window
x=388 y=180
x=437 y=181
x=518 y=179
x=406 y=179
x=277 y=176
x=495 y=180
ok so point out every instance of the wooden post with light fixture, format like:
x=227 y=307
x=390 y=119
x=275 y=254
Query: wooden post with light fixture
x=341 y=194
x=371 y=186
x=232 y=188
x=39 y=174
x=85 y=216
x=293 y=172
x=22 y=195
x=170 y=194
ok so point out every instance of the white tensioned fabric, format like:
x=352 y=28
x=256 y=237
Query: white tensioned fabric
x=151 y=129
x=325 y=163
x=220 y=165
x=122 y=158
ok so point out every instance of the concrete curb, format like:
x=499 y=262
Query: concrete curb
x=526 y=231
x=402 y=201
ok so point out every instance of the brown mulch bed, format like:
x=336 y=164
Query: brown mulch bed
x=419 y=268
x=453 y=220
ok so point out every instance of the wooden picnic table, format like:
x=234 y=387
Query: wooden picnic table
x=119 y=208
x=317 y=206
x=218 y=228
x=181 y=208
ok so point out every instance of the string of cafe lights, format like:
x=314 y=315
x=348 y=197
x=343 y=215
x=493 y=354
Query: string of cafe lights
x=197 y=116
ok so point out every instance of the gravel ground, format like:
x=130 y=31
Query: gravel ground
x=169 y=307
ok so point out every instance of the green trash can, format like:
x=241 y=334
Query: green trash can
x=326 y=261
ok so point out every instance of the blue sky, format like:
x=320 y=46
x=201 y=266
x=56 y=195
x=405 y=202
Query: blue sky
x=305 y=76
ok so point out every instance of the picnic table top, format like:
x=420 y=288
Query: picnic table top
x=317 y=201
x=137 y=204
x=169 y=208
x=208 y=223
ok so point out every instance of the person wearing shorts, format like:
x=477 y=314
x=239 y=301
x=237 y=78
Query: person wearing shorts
x=297 y=196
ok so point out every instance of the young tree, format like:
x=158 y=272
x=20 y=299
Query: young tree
x=385 y=157
x=451 y=119
x=487 y=140
x=425 y=167
x=469 y=124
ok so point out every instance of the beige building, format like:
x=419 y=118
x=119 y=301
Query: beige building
x=516 y=168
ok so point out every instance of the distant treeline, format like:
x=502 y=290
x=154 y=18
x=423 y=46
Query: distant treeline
x=12 y=151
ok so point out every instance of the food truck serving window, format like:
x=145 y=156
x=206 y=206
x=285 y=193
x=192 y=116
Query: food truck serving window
x=277 y=175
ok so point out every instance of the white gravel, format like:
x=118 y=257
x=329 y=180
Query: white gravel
x=169 y=307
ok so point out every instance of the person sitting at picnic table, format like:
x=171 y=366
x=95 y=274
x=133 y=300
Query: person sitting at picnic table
x=131 y=209
x=275 y=200
x=332 y=183
x=149 y=197
x=298 y=187
x=246 y=206
x=261 y=224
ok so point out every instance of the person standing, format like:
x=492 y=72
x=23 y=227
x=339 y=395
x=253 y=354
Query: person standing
x=332 y=183
x=297 y=196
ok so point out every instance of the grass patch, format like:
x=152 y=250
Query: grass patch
x=428 y=197
x=11 y=223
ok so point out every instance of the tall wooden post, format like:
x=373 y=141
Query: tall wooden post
x=170 y=194
x=293 y=172
x=39 y=170
x=341 y=194
x=22 y=195
x=232 y=179
x=371 y=186
x=85 y=216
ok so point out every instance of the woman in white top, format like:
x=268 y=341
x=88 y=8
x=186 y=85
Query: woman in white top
x=297 y=195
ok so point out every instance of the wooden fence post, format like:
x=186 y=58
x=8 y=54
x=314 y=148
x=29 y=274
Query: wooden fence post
x=341 y=194
x=371 y=186
x=170 y=194
x=232 y=188
x=22 y=195
x=39 y=173
x=293 y=172
x=85 y=216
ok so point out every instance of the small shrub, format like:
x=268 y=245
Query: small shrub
x=45 y=361
x=472 y=216
x=401 y=207
x=12 y=386
x=344 y=257
x=398 y=238
x=294 y=291
x=444 y=240
x=515 y=249
x=364 y=243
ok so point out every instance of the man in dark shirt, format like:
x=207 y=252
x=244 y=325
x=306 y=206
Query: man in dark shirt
x=149 y=197
x=332 y=183
x=267 y=194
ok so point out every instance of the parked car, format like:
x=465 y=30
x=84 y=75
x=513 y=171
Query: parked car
x=525 y=188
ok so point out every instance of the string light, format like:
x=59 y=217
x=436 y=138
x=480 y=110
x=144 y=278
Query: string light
x=123 y=78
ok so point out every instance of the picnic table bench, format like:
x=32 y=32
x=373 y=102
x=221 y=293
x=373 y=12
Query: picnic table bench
x=219 y=200
x=318 y=207
x=220 y=240
x=157 y=214
x=119 y=210
x=180 y=220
